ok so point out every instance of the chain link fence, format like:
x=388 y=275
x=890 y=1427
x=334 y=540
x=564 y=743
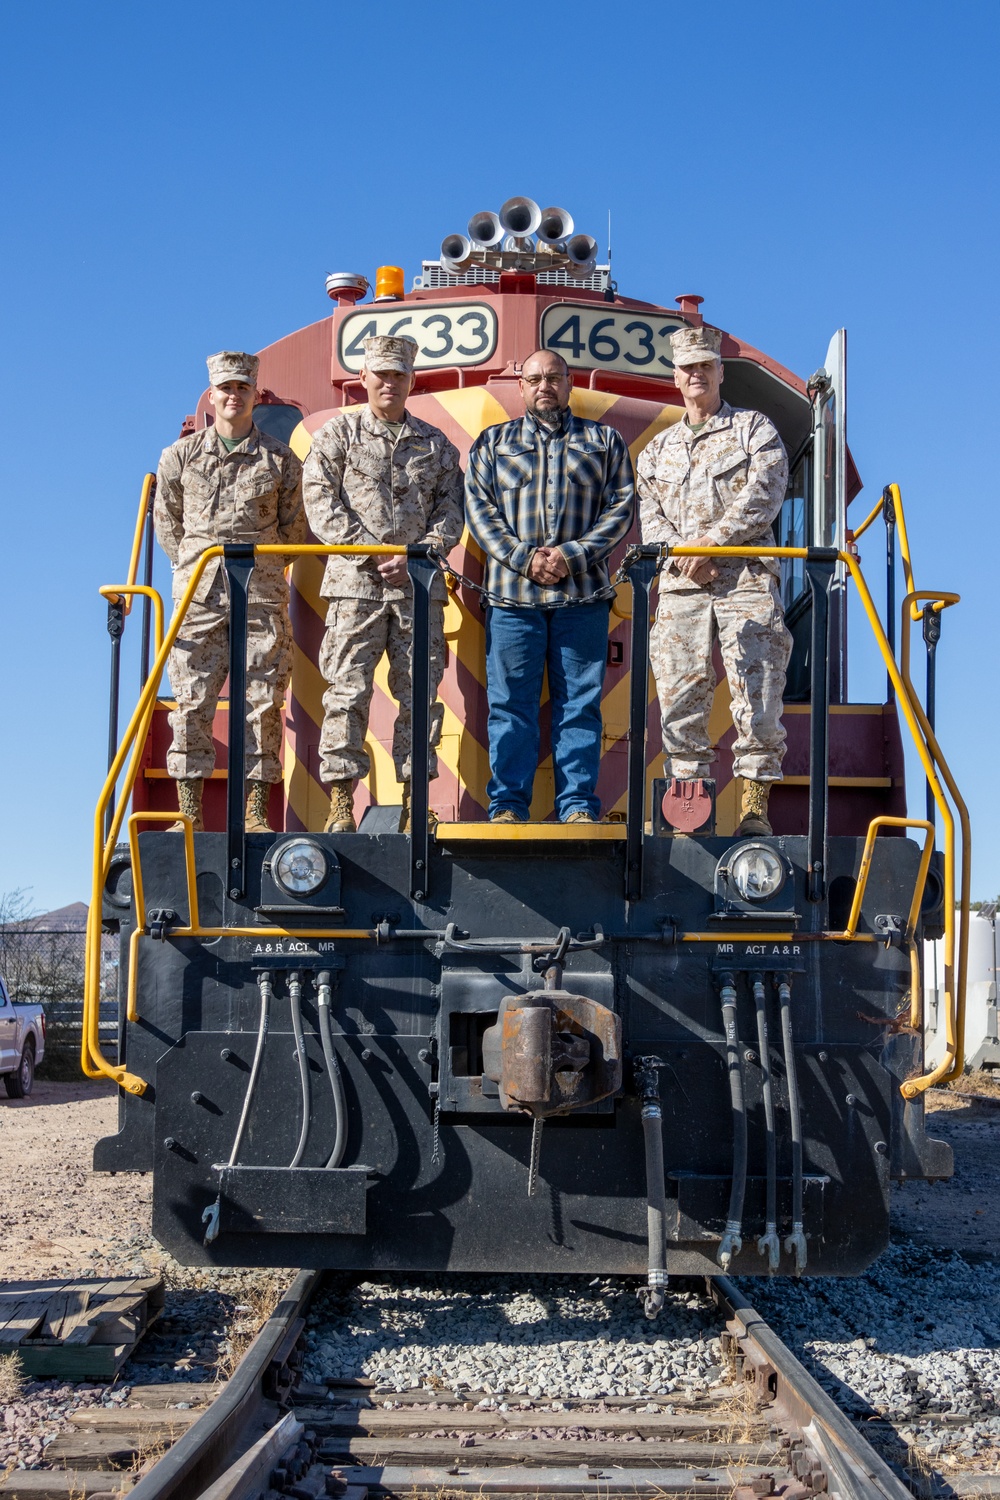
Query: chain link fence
x=45 y=966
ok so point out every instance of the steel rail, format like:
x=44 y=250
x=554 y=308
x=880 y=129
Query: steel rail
x=854 y=1470
x=229 y=1451
x=214 y=1442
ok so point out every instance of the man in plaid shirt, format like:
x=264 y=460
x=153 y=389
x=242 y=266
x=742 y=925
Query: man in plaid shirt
x=547 y=497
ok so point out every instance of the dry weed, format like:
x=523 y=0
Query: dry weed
x=11 y=1378
x=259 y=1303
x=983 y=1083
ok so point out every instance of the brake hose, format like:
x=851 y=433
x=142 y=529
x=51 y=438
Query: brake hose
x=325 y=992
x=210 y=1216
x=647 y=1075
x=795 y=1244
x=295 y=997
x=768 y=1244
x=731 y=1243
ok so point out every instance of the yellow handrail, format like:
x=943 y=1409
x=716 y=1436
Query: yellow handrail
x=114 y=591
x=953 y=1062
x=133 y=564
x=917 y=724
x=885 y=821
x=914 y=605
x=96 y=1065
x=92 y=1059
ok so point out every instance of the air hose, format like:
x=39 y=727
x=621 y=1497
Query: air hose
x=647 y=1076
x=325 y=994
x=795 y=1244
x=768 y=1244
x=295 y=997
x=210 y=1216
x=731 y=1243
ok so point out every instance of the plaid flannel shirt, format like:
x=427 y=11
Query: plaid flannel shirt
x=530 y=486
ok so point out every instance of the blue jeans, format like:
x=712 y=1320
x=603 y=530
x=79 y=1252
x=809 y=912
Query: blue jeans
x=520 y=643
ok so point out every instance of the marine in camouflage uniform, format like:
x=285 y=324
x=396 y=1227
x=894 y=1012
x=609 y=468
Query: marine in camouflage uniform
x=371 y=480
x=720 y=482
x=213 y=489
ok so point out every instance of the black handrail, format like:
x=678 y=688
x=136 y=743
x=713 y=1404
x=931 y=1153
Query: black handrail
x=889 y=516
x=821 y=563
x=422 y=570
x=932 y=634
x=641 y=566
x=116 y=627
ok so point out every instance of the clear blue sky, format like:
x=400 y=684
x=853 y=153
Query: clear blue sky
x=181 y=178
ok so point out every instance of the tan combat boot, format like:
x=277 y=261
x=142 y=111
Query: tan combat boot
x=340 y=818
x=189 y=792
x=404 y=821
x=258 y=793
x=753 y=807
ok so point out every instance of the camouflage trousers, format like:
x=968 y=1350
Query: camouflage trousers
x=198 y=666
x=358 y=633
x=747 y=620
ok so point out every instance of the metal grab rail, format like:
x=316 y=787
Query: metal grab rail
x=953 y=1062
x=917 y=724
x=867 y=854
x=92 y=1059
x=115 y=592
x=120 y=606
x=95 y=1064
x=145 y=498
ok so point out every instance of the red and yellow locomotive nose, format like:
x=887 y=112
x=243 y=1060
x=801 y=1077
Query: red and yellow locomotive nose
x=459 y=791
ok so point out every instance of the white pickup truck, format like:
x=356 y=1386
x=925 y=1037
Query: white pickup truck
x=22 y=1043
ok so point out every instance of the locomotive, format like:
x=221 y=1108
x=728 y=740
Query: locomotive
x=644 y=1046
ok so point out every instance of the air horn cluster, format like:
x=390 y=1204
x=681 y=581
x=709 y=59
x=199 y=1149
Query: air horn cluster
x=521 y=237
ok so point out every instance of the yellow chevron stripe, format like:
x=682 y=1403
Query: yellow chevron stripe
x=590 y=404
x=471 y=764
x=308 y=685
x=306 y=797
x=307 y=580
x=473 y=408
x=301 y=441
x=667 y=417
x=381 y=779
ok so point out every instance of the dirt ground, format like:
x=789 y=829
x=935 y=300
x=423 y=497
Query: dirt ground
x=964 y=1213
x=58 y=1216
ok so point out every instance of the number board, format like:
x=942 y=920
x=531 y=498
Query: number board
x=591 y=337
x=463 y=333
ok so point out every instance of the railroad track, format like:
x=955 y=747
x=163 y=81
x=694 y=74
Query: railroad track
x=772 y=1432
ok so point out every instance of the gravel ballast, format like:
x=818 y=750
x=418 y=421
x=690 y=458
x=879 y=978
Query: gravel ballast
x=537 y=1337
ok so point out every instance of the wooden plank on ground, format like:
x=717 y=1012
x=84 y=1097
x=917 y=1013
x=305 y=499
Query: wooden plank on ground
x=168 y=1393
x=374 y=1421
x=128 y=1419
x=73 y=1361
x=19 y=1320
x=557 y=1454
x=63 y=1484
x=81 y=1329
x=66 y=1310
x=97 y=1450
x=119 y=1319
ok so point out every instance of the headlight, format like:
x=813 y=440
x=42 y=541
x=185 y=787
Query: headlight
x=756 y=872
x=300 y=867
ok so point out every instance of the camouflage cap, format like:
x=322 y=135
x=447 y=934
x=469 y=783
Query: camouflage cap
x=695 y=346
x=384 y=351
x=230 y=365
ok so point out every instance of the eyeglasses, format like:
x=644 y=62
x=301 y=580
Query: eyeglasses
x=534 y=380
